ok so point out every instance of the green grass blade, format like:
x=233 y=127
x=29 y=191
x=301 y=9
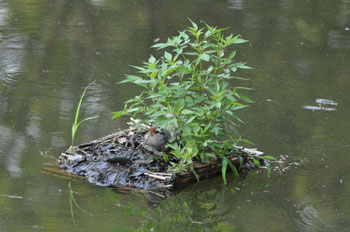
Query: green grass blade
x=267 y=164
x=268 y=157
x=71 y=202
x=73 y=130
x=224 y=168
x=233 y=167
x=79 y=105
x=76 y=122
x=89 y=118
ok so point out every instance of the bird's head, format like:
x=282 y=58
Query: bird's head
x=152 y=131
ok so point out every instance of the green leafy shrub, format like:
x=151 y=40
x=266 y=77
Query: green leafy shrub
x=190 y=91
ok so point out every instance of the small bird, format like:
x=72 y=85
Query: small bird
x=157 y=139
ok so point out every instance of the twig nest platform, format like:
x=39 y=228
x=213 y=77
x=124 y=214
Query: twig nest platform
x=120 y=160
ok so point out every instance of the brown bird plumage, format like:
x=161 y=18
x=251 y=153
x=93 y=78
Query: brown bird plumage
x=157 y=138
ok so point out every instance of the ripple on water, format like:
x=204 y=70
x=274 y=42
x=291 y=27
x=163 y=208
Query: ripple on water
x=11 y=57
x=323 y=213
x=310 y=219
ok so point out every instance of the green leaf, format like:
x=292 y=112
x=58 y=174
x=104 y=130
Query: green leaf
x=187 y=111
x=238 y=119
x=194 y=25
x=204 y=57
x=154 y=95
x=232 y=99
x=267 y=164
x=159 y=113
x=256 y=162
x=240 y=161
x=218 y=105
x=152 y=60
x=191 y=53
x=131 y=100
x=246 y=99
x=179 y=105
x=210 y=155
x=216 y=130
x=207 y=34
x=190 y=120
x=167 y=55
x=117 y=114
x=245 y=88
x=234 y=169
x=131 y=110
x=194 y=172
x=86 y=119
x=247 y=141
x=139 y=68
x=245 y=67
x=131 y=78
x=189 y=100
x=183 y=35
x=268 y=157
x=239 y=40
x=159 y=45
x=232 y=55
x=221 y=29
x=211 y=29
x=239 y=78
x=224 y=168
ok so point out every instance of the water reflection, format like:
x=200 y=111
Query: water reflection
x=3 y=14
x=339 y=39
x=304 y=67
x=11 y=57
x=251 y=21
x=287 y=4
x=11 y=196
x=98 y=3
x=12 y=146
x=322 y=105
x=195 y=209
x=236 y=4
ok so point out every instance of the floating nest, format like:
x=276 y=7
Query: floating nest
x=120 y=160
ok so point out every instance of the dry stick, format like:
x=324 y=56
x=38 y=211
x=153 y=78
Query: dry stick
x=55 y=171
x=106 y=139
x=59 y=176
x=81 y=150
x=160 y=173
x=155 y=176
x=157 y=194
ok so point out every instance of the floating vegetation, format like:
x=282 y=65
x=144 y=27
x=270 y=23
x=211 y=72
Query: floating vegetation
x=120 y=160
x=192 y=91
x=185 y=125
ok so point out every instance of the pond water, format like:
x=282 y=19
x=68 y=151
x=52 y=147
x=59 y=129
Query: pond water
x=51 y=50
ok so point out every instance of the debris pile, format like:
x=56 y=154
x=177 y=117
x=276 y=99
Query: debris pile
x=122 y=160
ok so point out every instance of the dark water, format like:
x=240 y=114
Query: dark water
x=51 y=50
